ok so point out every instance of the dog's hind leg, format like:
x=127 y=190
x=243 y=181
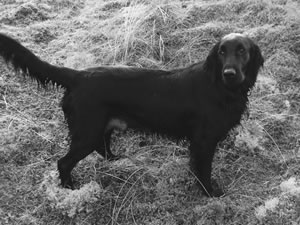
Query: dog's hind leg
x=78 y=150
x=83 y=142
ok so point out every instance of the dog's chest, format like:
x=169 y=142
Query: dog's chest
x=232 y=113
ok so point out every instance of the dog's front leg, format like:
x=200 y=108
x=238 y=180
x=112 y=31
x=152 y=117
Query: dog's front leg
x=202 y=152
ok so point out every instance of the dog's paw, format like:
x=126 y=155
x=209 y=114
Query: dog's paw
x=113 y=157
x=67 y=183
x=143 y=143
x=217 y=193
x=213 y=190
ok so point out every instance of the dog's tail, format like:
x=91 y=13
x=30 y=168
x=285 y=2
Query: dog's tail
x=44 y=73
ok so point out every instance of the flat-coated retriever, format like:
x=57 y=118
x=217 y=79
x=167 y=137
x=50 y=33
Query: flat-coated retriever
x=200 y=103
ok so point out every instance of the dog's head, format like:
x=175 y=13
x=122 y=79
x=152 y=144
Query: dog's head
x=235 y=60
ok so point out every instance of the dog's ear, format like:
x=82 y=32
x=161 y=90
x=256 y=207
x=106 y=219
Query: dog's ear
x=212 y=63
x=256 y=61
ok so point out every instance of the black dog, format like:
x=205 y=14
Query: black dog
x=201 y=102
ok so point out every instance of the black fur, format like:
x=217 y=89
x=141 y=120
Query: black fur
x=201 y=102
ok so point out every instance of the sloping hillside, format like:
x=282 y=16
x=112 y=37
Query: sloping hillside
x=258 y=165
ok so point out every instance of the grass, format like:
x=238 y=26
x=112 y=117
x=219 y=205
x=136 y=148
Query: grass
x=257 y=165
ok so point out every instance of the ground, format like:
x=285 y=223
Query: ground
x=258 y=165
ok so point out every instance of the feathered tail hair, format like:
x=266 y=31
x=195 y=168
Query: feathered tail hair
x=44 y=73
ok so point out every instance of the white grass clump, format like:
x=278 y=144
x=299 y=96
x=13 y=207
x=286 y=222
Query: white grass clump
x=69 y=202
x=291 y=186
x=253 y=137
x=270 y=205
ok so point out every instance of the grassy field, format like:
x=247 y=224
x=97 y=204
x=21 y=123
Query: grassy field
x=258 y=165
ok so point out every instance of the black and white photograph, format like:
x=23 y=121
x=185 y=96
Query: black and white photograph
x=139 y=112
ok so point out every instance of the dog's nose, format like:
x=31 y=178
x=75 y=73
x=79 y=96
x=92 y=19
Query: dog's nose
x=229 y=72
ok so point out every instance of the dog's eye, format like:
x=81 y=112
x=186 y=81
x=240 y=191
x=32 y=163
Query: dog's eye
x=221 y=52
x=241 y=51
